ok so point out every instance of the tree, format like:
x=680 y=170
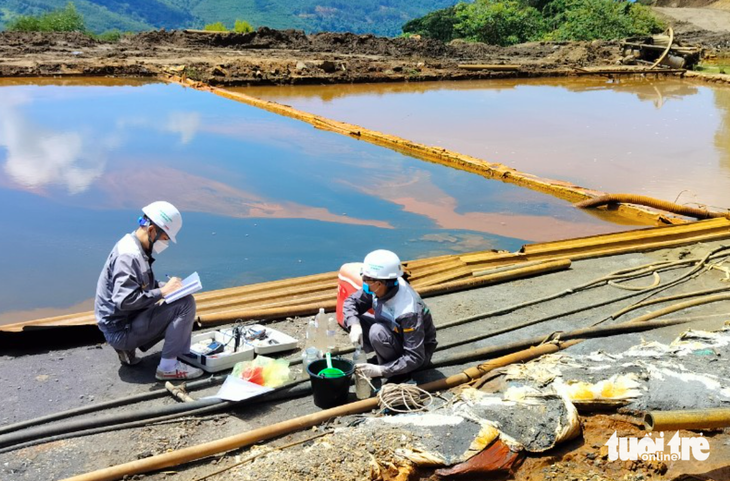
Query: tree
x=499 y=22
x=439 y=25
x=602 y=19
x=242 y=26
x=67 y=19
x=215 y=27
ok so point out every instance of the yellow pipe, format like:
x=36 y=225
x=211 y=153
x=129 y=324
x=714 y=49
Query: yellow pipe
x=462 y=284
x=691 y=419
x=650 y=202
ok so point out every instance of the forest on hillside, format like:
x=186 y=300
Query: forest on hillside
x=380 y=17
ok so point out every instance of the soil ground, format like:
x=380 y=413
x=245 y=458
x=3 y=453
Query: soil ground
x=715 y=20
x=46 y=381
x=287 y=57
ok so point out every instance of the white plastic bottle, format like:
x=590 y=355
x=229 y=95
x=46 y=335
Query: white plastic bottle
x=362 y=386
x=331 y=334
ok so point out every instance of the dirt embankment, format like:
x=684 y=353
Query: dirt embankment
x=288 y=56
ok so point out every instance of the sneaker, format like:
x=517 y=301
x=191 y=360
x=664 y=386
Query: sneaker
x=128 y=358
x=181 y=372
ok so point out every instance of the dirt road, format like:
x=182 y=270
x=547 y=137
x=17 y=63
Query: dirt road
x=713 y=19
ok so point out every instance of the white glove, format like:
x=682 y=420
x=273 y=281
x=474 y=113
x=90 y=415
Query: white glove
x=356 y=335
x=369 y=370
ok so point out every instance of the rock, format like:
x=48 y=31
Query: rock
x=328 y=66
x=145 y=454
x=219 y=70
x=301 y=66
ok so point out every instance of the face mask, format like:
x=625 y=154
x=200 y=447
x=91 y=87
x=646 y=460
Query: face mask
x=160 y=246
x=366 y=289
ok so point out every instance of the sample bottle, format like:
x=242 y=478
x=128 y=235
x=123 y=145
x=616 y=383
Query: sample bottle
x=309 y=355
x=320 y=321
x=310 y=334
x=362 y=386
x=331 y=334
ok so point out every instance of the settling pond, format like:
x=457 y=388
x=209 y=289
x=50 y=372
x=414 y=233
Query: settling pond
x=266 y=197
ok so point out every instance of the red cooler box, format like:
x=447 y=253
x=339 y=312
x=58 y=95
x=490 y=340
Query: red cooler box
x=348 y=282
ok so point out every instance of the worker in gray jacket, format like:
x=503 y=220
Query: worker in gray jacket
x=127 y=307
x=400 y=330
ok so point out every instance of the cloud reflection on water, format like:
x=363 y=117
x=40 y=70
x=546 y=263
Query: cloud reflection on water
x=39 y=157
x=130 y=188
x=419 y=195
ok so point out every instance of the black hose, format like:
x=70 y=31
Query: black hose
x=116 y=418
x=694 y=272
x=278 y=394
x=584 y=333
x=158 y=393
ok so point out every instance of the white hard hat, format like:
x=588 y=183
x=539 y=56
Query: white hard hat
x=165 y=216
x=381 y=264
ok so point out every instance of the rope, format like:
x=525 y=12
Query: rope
x=403 y=398
x=656 y=282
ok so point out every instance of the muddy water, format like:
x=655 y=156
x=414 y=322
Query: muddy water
x=669 y=139
x=264 y=197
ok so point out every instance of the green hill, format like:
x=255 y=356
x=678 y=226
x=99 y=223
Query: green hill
x=380 y=17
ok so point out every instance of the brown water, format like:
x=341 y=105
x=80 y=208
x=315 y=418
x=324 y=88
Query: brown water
x=668 y=139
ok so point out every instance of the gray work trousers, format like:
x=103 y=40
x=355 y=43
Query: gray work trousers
x=379 y=339
x=173 y=322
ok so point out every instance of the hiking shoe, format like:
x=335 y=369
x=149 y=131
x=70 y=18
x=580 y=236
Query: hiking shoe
x=128 y=358
x=181 y=372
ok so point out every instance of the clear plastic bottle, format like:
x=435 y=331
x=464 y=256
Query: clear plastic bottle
x=331 y=334
x=309 y=355
x=310 y=334
x=320 y=320
x=362 y=386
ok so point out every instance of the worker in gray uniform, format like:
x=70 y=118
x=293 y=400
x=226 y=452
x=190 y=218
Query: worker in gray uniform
x=127 y=307
x=400 y=331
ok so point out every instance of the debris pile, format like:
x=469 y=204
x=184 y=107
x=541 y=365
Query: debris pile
x=521 y=409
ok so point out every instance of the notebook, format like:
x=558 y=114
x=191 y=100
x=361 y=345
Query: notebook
x=190 y=285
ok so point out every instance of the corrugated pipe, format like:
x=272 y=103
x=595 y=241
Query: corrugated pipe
x=175 y=458
x=695 y=212
x=699 y=419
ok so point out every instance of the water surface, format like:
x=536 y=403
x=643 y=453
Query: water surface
x=667 y=138
x=263 y=197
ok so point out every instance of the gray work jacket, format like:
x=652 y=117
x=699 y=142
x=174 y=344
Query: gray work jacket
x=403 y=311
x=126 y=285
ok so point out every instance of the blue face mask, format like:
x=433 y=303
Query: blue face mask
x=366 y=289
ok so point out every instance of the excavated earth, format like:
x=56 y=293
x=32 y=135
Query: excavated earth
x=287 y=57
